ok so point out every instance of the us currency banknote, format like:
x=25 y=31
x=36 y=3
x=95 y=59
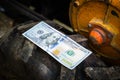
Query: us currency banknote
x=58 y=45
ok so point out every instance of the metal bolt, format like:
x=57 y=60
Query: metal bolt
x=89 y=25
x=76 y=3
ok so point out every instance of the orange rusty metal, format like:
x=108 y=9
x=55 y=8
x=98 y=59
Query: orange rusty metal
x=103 y=16
x=108 y=34
x=115 y=3
x=97 y=36
x=82 y=14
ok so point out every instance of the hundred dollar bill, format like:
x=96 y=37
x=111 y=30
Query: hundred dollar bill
x=59 y=46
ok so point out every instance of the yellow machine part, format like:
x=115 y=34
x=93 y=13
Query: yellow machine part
x=99 y=21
